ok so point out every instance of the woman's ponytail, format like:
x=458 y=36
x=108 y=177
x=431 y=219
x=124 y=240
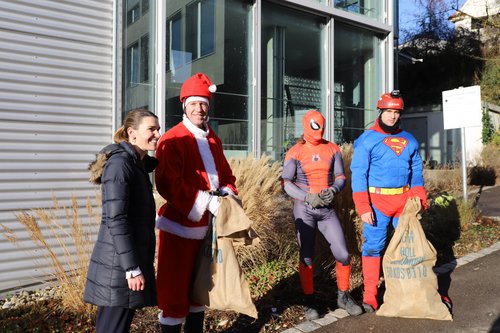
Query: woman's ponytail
x=120 y=135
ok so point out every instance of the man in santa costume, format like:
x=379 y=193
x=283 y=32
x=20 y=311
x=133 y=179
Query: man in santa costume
x=386 y=170
x=191 y=175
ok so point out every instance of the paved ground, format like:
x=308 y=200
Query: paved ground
x=474 y=290
x=472 y=282
x=489 y=202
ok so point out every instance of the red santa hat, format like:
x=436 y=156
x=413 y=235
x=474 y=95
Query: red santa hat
x=197 y=88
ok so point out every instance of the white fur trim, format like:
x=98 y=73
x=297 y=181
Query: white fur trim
x=196 y=99
x=180 y=230
x=205 y=152
x=200 y=206
x=196 y=309
x=197 y=132
x=208 y=162
x=213 y=205
x=170 y=321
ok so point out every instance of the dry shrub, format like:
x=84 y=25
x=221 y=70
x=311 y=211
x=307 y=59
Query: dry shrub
x=344 y=206
x=61 y=229
x=159 y=200
x=444 y=178
x=468 y=213
x=259 y=188
x=448 y=178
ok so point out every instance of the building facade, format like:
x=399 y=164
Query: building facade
x=473 y=16
x=71 y=70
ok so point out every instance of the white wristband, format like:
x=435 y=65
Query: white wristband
x=133 y=273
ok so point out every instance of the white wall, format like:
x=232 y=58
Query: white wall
x=438 y=144
x=56 y=111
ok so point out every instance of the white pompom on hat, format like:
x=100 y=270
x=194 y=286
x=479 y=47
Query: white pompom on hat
x=197 y=85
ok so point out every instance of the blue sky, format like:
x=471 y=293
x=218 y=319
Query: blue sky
x=409 y=8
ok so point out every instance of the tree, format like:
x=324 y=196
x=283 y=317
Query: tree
x=430 y=21
x=451 y=57
x=447 y=64
x=488 y=129
x=490 y=80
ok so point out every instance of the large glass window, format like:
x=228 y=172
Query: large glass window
x=292 y=75
x=132 y=72
x=212 y=37
x=175 y=56
x=145 y=6
x=144 y=64
x=200 y=25
x=138 y=56
x=133 y=14
x=358 y=81
x=370 y=8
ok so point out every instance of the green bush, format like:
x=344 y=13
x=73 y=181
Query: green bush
x=496 y=138
x=488 y=128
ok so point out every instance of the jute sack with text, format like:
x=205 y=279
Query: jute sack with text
x=219 y=281
x=411 y=285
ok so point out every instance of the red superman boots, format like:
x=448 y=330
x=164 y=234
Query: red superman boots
x=371 y=276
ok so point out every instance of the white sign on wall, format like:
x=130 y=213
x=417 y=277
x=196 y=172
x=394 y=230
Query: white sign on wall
x=462 y=107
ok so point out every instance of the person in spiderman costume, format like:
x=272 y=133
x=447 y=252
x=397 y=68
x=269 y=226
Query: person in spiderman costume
x=313 y=172
x=386 y=170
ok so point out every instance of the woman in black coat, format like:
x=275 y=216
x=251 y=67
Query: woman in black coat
x=121 y=275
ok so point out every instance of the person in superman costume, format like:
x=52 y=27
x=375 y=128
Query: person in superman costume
x=313 y=172
x=191 y=175
x=386 y=170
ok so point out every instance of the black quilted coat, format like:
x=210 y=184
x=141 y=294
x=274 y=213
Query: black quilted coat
x=126 y=236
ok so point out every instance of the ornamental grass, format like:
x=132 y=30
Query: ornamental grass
x=65 y=241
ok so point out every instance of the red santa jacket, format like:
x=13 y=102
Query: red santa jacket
x=191 y=163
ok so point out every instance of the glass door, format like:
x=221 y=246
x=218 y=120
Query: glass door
x=293 y=79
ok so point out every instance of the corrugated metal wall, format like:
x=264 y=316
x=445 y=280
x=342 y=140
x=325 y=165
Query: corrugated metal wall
x=56 y=112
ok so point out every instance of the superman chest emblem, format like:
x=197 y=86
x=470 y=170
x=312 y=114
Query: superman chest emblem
x=396 y=144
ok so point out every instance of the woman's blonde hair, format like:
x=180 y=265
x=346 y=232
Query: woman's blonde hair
x=133 y=119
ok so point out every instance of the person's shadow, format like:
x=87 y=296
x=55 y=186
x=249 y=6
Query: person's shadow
x=441 y=224
x=496 y=326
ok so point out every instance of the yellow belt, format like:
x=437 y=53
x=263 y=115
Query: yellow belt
x=388 y=191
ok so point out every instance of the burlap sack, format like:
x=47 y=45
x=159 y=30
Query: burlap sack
x=411 y=285
x=219 y=281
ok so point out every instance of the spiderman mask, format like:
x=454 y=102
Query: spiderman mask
x=314 y=127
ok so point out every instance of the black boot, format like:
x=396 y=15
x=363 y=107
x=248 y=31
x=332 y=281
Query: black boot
x=171 y=328
x=194 y=322
x=310 y=308
x=346 y=302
